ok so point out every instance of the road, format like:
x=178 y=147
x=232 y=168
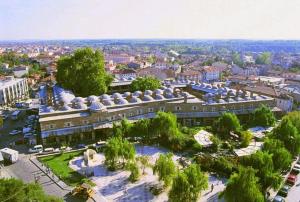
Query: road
x=294 y=193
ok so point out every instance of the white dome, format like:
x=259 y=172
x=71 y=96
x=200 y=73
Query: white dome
x=126 y=94
x=97 y=106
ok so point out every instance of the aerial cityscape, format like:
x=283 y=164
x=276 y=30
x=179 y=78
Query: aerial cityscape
x=149 y=101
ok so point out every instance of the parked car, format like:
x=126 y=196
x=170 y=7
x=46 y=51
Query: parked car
x=292 y=179
x=50 y=149
x=278 y=199
x=99 y=144
x=296 y=170
x=36 y=149
x=64 y=148
x=15 y=132
x=81 y=146
x=284 y=190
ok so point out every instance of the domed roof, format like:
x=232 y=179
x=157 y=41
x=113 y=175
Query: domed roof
x=163 y=88
x=97 y=106
x=108 y=102
x=137 y=93
x=158 y=97
x=116 y=95
x=121 y=101
x=148 y=92
x=78 y=99
x=221 y=101
x=105 y=96
x=65 y=108
x=126 y=94
x=135 y=100
x=93 y=98
x=158 y=92
x=168 y=91
x=169 y=95
x=80 y=105
x=147 y=98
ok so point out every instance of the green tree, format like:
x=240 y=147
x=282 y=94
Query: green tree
x=134 y=171
x=263 y=163
x=227 y=123
x=142 y=129
x=243 y=186
x=83 y=73
x=236 y=58
x=145 y=162
x=289 y=135
x=246 y=138
x=282 y=159
x=127 y=151
x=294 y=117
x=263 y=59
x=263 y=116
x=112 y=152
x=12 y=190
x=165 y=168
x=187 y=186
x=145 y=83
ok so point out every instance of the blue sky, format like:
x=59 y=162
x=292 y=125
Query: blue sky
x=96 y=19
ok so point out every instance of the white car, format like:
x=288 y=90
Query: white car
x=15 y=132
x=36 y=149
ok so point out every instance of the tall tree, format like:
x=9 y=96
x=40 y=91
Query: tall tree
x=243 y=186
x=263 y=116
x=282 y=159
x=289 y=135
x=187 y=186
x=12 y=190
x=294 y=117
x=228 y=122
x=83 y=72
x=165 y=168
x=264 y=58
x=145 y=83
x=144 y=159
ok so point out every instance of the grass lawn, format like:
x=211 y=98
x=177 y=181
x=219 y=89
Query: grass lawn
x=59 y=164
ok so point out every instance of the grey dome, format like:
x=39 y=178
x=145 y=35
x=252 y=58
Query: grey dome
x=137 y=93
x=147 y=98
x=158 y=92
x=78 y=99
x=135 y=100
x=116 y=95
x=49 y=109
x=65 y=108
x=121 y=101
x=148 y=92
x=168 y=91
x=80 y=105
x=158 y=97
x=105 y=96
x=97 y=106
x=93 y=98
x=169 y=95
x=108 y=102
x=126 y=94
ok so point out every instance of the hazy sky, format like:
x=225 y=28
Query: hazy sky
x=96 y=19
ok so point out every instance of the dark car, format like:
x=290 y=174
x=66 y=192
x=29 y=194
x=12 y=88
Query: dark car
x=81 y=146
x=278 y=199
x=284 y=190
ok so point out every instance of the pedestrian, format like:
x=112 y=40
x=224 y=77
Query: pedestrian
x=212 y=187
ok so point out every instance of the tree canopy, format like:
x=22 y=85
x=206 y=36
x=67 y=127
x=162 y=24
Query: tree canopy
x=243 y=186
x=264 y=58
x=165 y=168
x=12 y=190
x=289 y=135
x=236 y=58
x=294 y=117
x=282 y=159
x=263 y=163
x=83 y=72
x=227 y=122
x=263 y=116
x=187 y=185
x=145 y=83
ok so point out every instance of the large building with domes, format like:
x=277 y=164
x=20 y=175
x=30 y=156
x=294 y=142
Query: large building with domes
x=66 y=118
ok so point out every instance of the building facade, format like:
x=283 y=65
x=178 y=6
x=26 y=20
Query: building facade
x=12 y=90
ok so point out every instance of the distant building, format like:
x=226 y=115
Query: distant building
x=119 y=58
x=190 y=75
x=20 y=71
x=158 y=73
x=124 y=74
x=12 y=89
x=210 y=74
